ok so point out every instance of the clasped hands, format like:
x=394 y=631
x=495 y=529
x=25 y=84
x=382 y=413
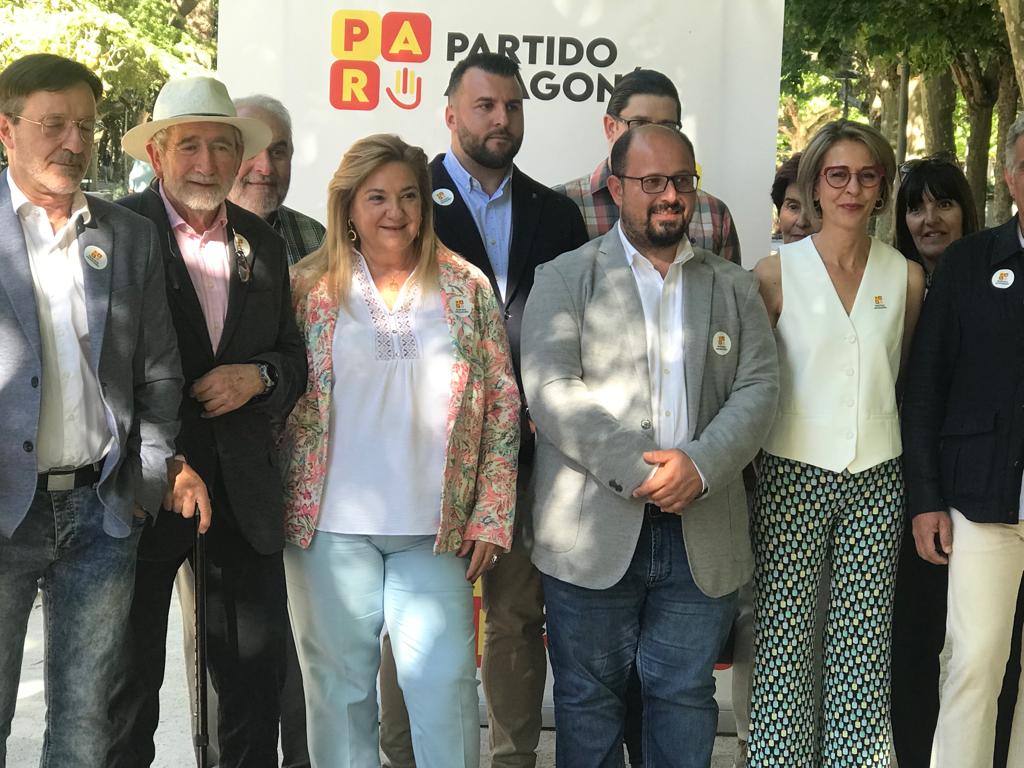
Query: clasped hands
x=226 y=388
x=674 y=484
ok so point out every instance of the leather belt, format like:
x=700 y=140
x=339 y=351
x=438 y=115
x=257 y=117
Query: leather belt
x=68 y=480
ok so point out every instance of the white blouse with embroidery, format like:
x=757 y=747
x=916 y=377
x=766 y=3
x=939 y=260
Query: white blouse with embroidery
x=389 y=412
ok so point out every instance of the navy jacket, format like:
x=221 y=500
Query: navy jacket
x=963 y=407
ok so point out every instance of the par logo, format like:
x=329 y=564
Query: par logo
x=358 y=39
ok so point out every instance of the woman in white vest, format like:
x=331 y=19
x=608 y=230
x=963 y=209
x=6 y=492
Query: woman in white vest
x=844 y=306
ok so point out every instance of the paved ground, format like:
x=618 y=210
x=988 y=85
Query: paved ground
x=174 y=744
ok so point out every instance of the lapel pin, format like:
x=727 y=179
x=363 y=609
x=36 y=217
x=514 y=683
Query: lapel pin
x=95 y=257
x=1002 y=278
x=242 y=261
x=443 y=196
x=721 y=343
x=459 y=306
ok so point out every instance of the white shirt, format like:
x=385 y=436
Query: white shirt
x=73 y=428
x=662 y=300
x=389 y=413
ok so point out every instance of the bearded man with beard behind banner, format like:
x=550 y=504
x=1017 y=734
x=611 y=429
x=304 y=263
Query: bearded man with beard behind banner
x=652 y=376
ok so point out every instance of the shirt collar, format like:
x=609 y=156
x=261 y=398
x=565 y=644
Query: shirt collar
x=684 y=251
x=22 y=205
x=599 y=178
x=464 y=180
x=177 y=222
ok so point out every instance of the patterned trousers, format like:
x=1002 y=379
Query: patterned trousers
x=801 y=513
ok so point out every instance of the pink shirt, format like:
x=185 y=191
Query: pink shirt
x=209 y=265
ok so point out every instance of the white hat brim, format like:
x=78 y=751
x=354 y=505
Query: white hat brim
x=256 y=134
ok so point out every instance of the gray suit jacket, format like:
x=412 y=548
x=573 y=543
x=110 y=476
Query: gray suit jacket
x=133 y=353
x=586 y=377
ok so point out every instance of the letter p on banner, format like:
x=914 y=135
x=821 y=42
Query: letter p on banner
x=405 y=37
x=355 y=35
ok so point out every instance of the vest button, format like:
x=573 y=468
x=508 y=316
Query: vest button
x=27 y=445
x=645 y=424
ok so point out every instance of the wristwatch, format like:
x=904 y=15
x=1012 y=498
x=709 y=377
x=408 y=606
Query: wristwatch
x=268 y=375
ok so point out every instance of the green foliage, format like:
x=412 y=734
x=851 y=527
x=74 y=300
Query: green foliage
x=131 y=45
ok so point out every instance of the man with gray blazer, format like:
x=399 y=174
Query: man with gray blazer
x=651 y=373
x=89 y=403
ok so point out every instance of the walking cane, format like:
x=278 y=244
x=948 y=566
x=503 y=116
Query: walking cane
x=200 y=735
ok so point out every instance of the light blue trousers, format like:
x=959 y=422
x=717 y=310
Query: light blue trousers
x=341 y=591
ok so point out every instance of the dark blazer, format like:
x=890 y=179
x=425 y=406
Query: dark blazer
x=963 y=408
x=544 y=225
x=133 y=355
x=233 y=451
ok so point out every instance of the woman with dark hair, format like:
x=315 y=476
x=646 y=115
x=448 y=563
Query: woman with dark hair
x=844 y=306
x=934 y=208
x=795 y=219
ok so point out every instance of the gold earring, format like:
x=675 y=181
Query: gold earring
x=352 y=234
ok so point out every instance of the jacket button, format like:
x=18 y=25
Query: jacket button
x=27 y=445
x=35 y=382
x=507 y=315
x=645 y=424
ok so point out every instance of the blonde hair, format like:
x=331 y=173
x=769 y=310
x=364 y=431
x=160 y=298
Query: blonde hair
x=336 y=256
x=813 y=158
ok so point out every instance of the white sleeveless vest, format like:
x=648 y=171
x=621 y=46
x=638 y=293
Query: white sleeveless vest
x=837 y=373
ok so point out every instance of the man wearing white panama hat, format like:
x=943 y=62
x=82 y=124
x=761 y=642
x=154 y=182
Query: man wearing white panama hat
x=244 y=365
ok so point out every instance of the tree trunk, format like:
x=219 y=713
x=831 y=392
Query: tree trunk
x=980 y=87
x=1013 y=15
x=885 y=82
x=979 y=120
x=902 y=109
x=1006 y=113
x=940 y=101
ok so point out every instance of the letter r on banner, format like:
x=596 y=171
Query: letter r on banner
x=355 y=85
x=355 y=35
x=405 y=37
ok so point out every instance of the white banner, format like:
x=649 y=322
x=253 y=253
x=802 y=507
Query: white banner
x=347 y=69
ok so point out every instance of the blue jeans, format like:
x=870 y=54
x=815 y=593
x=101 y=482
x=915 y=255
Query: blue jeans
x=340 y=592
x=86 y=577
x=656 y=618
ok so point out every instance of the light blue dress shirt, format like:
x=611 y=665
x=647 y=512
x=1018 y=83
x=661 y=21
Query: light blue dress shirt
x=492 y=214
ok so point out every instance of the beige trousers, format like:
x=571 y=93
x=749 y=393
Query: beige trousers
x=985 y=571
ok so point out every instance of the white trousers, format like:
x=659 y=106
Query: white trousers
x=985 y=570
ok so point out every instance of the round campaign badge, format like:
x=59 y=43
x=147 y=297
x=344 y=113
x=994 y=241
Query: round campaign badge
x=459 y=306
x=95 y=257
x=443 y=196
x=721 y=343
x=1002 y=278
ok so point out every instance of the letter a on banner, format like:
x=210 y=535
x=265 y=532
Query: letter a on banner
x=405 y=37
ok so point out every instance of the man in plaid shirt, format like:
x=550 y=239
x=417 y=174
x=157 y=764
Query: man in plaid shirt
x=262 y=182
x=641 y=97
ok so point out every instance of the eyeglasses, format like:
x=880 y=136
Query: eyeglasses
x=652 y=185
x=55 y=126
x=636 y=122
x=945 y=157
x=838 y=176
